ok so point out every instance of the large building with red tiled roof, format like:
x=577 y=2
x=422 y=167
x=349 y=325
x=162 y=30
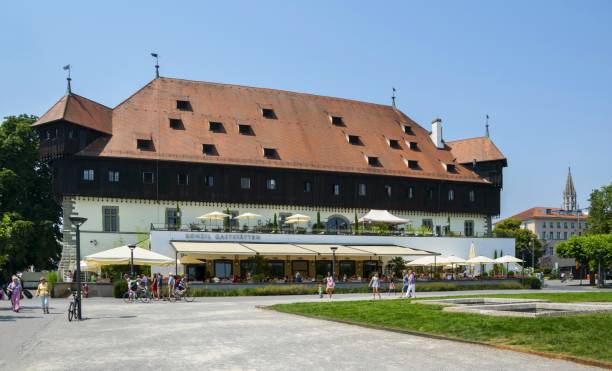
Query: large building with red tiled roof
x=209 y=146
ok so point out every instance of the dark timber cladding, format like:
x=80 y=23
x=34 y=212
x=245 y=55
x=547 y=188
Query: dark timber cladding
x=185 y=140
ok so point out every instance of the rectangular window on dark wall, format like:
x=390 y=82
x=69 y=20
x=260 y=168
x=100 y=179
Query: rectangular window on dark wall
x=362 y=189
x=271 y=184
x=113 y=176
x=336 y=189
x=147 y=177
x=388 y=190
x=88 y=175
x=110 y=218
x=209 y=180
x=182 y=179
x=472 y=198
x=307 y=186
x=245 y=183
x=468 y=228
x=410 y=193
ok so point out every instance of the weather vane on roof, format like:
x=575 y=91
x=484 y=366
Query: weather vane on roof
x=487 y=126
x=69 y=89
x=156 y=56
x=393 y=98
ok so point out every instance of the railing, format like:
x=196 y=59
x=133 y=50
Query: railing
x=300 y=230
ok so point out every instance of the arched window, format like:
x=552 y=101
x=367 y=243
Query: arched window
x=338 y=223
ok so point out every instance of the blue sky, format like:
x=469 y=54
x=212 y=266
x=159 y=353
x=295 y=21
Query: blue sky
x=540 y=69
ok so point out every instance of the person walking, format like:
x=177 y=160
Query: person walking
x=154 y=286
x=329 y=285
x=14 y=289
x=160 y=282
x=405 y=279
x=171 y=283
x=375 y=285
x=392 y=285
x=411 y=285
x=42 y=291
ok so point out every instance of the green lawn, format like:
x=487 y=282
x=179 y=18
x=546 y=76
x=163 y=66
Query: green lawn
x=570 y=297
x=587 y=337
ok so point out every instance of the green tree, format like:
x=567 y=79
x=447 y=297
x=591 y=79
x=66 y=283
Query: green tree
x=600 y=214
x=275 y=223
x=593 y=251
x=356 y=224
x=29 y=214
x=526 y=242
x=396 y=266
x=506 y=228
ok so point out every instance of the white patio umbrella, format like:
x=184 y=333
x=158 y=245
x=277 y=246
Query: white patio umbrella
x=247 y=217
x=507 y=259
x=453 y=261
x=214 y=215
x=472 y=254
x=297 y=218
x=89 y=266
x=382 y=216
x=121 y=255
x=482 y=260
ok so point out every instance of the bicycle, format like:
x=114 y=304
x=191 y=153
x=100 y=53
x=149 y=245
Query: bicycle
x=142 y=295
x=72 y=308
x=185 y=295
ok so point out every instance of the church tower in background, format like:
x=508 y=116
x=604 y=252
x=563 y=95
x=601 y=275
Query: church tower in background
x=569 y=194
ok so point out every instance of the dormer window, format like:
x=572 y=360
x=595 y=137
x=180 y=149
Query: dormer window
x=176 y=124
x=216 y=127
x=414 y=146
x=183 y=105
x=451 y=168
x=271 y=153
x=373 y=161
x=412 y=164
x=268 y=113
x=394 y=143
x=354 y=140
x=337 y=121
x=210 y=150
x=408 y=129
x=144 y=144
x=245 y=129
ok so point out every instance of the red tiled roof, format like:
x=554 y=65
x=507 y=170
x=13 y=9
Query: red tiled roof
x=479 y=149
x=540 y=213
x=81 y=111
x=302 y=134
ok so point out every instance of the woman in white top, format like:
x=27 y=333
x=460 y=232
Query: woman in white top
x=375 y=285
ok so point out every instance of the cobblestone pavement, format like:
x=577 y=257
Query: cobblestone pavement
x=227 y=333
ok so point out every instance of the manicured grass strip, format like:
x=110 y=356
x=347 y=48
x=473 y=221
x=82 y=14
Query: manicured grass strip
x=586 y=337
x=568 y=297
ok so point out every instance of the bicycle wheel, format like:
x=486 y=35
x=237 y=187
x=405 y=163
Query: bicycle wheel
x=143 y=296
x=70 y=312
x=127 y=297
x=188 y=296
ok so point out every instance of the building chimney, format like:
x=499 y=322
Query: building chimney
x=436 y=133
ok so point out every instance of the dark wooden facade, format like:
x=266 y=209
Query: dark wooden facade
x=61 y=140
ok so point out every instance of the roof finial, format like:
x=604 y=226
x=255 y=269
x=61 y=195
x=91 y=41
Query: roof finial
x=393 y=98
x=156 y=56
x=69 y=88
x=487 y=127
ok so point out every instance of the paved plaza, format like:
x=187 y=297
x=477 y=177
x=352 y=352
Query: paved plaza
x=227 y=333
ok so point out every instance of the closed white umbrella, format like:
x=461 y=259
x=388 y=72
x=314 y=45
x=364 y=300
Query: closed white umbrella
x=247 y=217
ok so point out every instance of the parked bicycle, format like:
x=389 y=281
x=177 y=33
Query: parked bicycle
x=72 y=308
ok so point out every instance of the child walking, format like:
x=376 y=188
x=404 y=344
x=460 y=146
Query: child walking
x=43 y=292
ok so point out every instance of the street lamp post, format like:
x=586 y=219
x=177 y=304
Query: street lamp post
x=533 y=254
x=333 y=249
x=78 y=222
x=132 y=247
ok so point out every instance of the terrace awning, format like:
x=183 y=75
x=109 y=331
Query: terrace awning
x=278 y=249
x=390 y=250
x=324 y=249
x=211 y=248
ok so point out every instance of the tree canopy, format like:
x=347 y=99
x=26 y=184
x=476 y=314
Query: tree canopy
x=29 y=215
x=600 y=214
x=524 y=238
x=592 y=249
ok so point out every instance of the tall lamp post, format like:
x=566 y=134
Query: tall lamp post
x=333 y=249
x=78 y=221
x=132 y=247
